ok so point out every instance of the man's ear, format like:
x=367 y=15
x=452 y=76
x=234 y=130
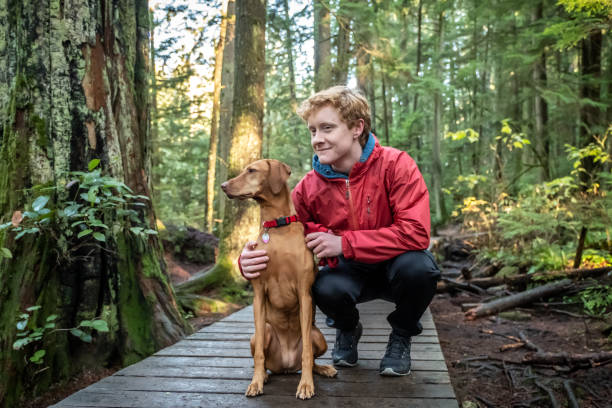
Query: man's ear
x=358 y=126
x=279 y=173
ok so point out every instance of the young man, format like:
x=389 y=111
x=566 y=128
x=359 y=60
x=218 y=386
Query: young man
x=366 y=213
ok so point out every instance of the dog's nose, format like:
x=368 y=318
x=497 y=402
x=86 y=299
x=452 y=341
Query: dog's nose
x=224 y=186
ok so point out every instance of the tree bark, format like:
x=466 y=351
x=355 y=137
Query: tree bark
x=519 y=299
x=214 y=123
x=289 y=48
x=226 y=106
x=241 y=218
x=76 y=78
x=322 y=34
x=439 y=206
x=343 y=46
x=540 y=105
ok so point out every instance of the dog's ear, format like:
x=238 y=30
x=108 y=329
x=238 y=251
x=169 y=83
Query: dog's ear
x=279 y=173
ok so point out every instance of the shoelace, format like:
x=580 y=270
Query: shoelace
x=397 y=346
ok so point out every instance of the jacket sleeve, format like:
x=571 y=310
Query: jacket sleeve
x=410 y=230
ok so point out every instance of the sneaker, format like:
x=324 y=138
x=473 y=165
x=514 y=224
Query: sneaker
x=345 y=349
x=396 y=361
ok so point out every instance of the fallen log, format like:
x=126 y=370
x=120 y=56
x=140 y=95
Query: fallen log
x=519 y=299
x=527 y=278
x=586 y=360
x=468 y=287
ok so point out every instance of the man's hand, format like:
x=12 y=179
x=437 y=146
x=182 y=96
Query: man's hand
x=252 y=261
x=324 y=245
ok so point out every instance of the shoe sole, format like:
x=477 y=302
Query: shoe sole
x=344 y=363
x=389 y=372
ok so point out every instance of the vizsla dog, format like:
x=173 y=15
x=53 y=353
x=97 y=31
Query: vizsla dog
x=286 y=339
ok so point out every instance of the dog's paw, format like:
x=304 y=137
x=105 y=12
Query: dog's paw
x=254 y=389
x=305 y=390
x=326 y=370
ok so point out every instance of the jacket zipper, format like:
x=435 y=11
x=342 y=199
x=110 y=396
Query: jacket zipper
x=352 y=219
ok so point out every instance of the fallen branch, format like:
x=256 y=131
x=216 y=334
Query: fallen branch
x=519 y=299
x=528 y=343
x=587 y=360
x=447 y=282
x=552 y=275
x=512 y=346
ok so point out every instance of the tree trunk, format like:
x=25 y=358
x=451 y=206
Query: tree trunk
x=418 y=70
x=226 y=106
x=289 y=48
x=76 y=78
x=540 y=105
x=343 y=46
x=590 y=116
x=437 y=128
x=214 y=123
x=322 y=34
x=241 y=218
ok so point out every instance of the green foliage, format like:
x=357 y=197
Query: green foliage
x=98 y=207
x=597 y=300
x=29 y=332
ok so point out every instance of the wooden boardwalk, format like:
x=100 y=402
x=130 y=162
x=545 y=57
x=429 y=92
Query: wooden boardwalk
x=213 y=367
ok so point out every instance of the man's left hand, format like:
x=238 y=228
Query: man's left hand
x=324 y=245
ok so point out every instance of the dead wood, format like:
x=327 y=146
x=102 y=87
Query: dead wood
x=571 y=398
x=511 y=346
x=468 y=287
x=552 y=275
x=528 y=343
x=519 y=299
x=586 y=360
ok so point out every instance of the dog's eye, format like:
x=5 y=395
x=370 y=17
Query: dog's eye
x=251 y=170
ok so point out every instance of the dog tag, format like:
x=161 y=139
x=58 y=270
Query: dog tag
x=265 y=237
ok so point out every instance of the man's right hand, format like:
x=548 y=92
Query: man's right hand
x=252 y=261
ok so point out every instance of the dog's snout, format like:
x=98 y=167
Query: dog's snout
x=224 y=186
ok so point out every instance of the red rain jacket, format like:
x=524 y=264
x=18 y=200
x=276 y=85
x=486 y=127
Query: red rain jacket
x=381 y=209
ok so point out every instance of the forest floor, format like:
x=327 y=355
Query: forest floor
x=481 y=375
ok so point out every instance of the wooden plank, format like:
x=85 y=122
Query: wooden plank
x=237 y=362
x=363 y=355
x=249 y=328
x=198 y=346
x=279 y=385
x=373 y=322
x=246 y=373
x=330 y=338
x=160 y=399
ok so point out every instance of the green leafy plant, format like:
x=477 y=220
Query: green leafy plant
x=28 y=332
x=597 y=299
x=94 y=210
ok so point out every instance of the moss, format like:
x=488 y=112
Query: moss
x=134 y=311
x=40 y=125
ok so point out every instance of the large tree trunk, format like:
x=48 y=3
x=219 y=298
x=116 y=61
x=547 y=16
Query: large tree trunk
x=214 y=123
x=226 y=108
x=289 y=48
x=322 y=34
x=75 y=82
x=241 y=218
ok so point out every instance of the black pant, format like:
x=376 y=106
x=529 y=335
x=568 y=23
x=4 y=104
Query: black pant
x=408 y=280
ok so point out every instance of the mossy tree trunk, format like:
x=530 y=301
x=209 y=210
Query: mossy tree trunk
x=241 y=218
x=74 y=85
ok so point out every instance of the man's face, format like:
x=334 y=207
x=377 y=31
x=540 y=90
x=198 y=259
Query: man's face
x=330 y=136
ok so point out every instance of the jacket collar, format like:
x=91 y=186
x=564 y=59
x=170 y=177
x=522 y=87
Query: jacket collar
x=326 y=170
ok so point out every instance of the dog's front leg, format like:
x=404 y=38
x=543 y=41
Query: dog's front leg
x=306 y=387
x=259 y=311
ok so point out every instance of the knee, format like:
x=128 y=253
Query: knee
x=415 y=268
x=329 y=289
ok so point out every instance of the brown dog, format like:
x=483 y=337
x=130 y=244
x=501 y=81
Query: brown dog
x=286 y=339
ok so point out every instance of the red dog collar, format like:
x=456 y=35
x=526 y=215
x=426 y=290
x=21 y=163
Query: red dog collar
x=280 y=222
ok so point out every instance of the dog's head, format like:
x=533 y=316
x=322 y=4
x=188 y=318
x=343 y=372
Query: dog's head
x=259 y=180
